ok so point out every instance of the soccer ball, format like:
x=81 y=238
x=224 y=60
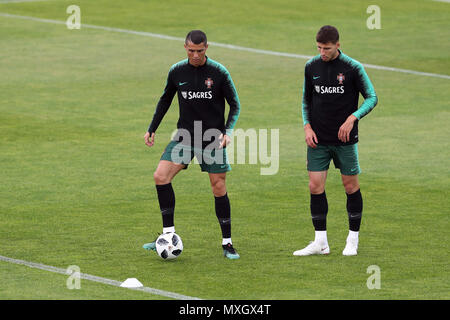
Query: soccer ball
x=169 y=245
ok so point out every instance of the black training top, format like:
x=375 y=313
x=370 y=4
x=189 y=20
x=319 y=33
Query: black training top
x=330 y=95
x=202 y=92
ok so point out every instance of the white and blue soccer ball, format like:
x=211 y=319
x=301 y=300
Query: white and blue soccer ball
x=169 y=245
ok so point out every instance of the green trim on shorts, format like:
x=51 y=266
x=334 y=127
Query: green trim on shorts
x=344 y=158
x=177 y=152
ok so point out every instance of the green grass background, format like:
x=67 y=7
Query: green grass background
x=76 y=178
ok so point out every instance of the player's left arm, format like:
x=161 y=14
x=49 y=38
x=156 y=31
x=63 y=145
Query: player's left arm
x=365 y=87
x=232 y=98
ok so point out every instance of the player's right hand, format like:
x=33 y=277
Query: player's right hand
x=310 y=137
x=149 y=140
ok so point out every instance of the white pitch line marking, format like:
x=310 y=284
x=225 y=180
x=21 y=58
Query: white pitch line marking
x=223 y=45
x=98 y=279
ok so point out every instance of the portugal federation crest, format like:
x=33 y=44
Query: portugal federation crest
x=209 y=83
x=341 y=78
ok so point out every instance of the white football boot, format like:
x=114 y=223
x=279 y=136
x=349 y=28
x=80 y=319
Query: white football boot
x=313 y=248
x=351 y=248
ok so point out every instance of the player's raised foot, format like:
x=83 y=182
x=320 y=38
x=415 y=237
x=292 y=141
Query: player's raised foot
x=351 y=248
x=230 y=252
x=313 y=248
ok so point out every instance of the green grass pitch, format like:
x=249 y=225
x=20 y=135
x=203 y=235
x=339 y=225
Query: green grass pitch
x=76 y=178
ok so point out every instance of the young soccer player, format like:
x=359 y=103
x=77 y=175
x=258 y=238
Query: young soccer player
x=333 y=82
x=203 y=85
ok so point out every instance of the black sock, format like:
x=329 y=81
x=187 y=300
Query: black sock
x=354 y=210
x=319 y=210
x=223 y=213
x=166 y=198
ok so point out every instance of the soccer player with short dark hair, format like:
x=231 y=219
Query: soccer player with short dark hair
x=333 y=82
x=202 y=85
